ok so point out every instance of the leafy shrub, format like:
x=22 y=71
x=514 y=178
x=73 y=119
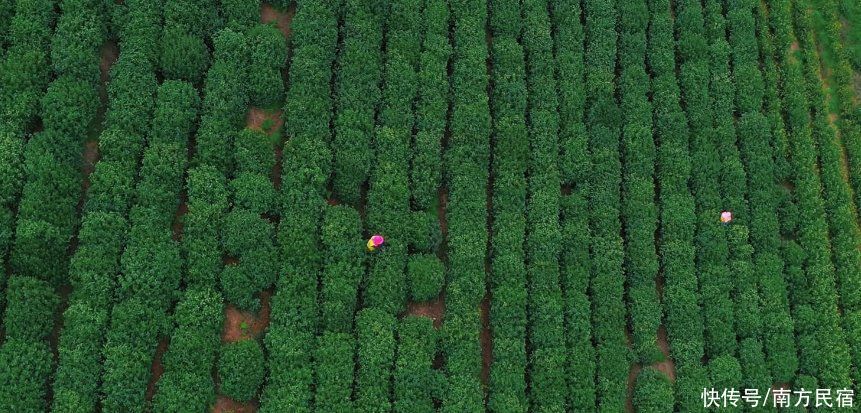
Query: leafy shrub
x=183 y=56
x=268 y=57
x=653 y=392
x=25 y=367
x=30 y=308
x=375 y=331
x=426 y=275
x=240 y=369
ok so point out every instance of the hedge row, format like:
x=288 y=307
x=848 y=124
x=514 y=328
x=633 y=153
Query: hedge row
x=851 y=11
x=776 y=341
x=388 y=194
x=241 y=15
x=183 y=51
x=375 y=333
x=49 y=185
x=225 y=102
x=467 y=166
x=81 y=29
x=711 y=246
x=607 y=287
x=240 y=369
x=653 y=392
x=683 y=317
x=187 y=383
x=817 y=322
x=307 y=162
x=25 y=74
x=151 y=263
x=507 y=391
x=343 y=268
x=543 y=235
x=7 y=11
x=95 y=265
x=759 y=184
x=416 y=384
x=576 y=267
x=334 y=362
x=25 y=357
x=358 y=94
x=268 y=57
x=638 y=187
x=837 y=198
x=187 y=380
x=574 y=165
x=431 y=105
x=830 y=35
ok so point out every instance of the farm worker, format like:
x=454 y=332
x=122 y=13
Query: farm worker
x=375 y=242
x=725 y=217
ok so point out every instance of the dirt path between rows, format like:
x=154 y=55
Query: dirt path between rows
x=157 y=368
x=282 y=19
x=225 y=405
x=240 y=325
x=434 y=310
x=486 y=340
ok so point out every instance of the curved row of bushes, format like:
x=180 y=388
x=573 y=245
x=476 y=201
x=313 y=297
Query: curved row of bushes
x=388 y=194
x=343 y=269
x=358 y=95
x=607 y=288
x=151 y=264
x=574 y=166
x=683 y=316
x=50 y=182
x=507 y=391
x=247 y=237
x=95 y=266
x=640 y=215
x=375 y=333
x=817 y=321
x=766 y=323
x=836 y=195
x=711 y=246
x=416 y=384
x=546 y=337
x=431 y=105
x=290 y=340
x=466 y=174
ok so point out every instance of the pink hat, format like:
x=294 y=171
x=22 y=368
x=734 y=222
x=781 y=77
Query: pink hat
x=378 y=240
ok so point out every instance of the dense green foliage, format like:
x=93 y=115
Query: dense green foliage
x=240 y=369
x=549 y=176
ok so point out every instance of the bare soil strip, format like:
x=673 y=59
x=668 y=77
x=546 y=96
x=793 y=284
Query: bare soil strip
x=486 y=340
x=226 y=405
x=282 y=20
x=157 y=367
x=239 y=325
x=435 y=310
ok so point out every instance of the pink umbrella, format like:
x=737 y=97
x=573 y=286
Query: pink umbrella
x=725 y=217
x=378 y=240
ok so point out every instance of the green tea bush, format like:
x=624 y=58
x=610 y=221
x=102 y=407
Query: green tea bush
x=426 y=275
x=241 y=369
x=268 y=55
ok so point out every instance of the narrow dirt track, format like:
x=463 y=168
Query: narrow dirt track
x=239 y=325
x=157 y=368
x=282 y=19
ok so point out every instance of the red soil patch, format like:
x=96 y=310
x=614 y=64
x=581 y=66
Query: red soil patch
x=667 y=366
x=157 y=368
x=109 y=54
x=333 y=202
x=632 y=381
x=178 y=225
x=240 y=325
x=794 y=47
x=435 y=310
x=485 y=338
x=225 y=405
x=282 y=19
x=91 y=156
x=256 y=117
x=441 y=207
